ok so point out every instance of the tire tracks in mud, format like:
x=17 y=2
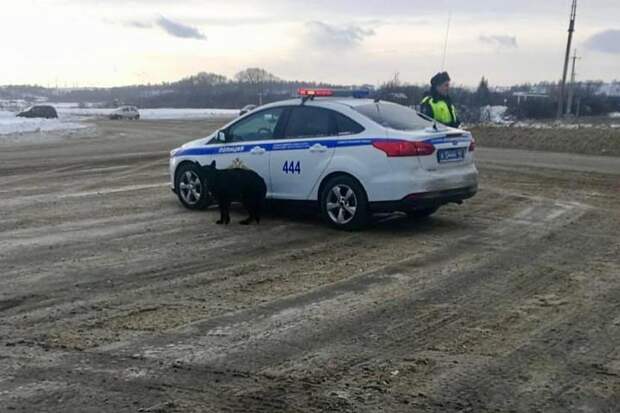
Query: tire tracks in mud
x=437 y=260
x=507 y=304
x=427 y=330
x=345 y=328
x=147 y=266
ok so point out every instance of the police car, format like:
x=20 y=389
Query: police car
x=349 y=155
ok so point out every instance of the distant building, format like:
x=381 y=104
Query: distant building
x=524 y=96
x=500 y=89
x=541 y=89
x=609 y=89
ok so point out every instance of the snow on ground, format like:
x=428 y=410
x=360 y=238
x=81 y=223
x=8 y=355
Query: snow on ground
x=553 y=125
x=11 y=124
x=71 y=118
x=152 y=114
x=494 y=114
x=614 y=115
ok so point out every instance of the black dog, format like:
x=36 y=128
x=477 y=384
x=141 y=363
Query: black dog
x=235 y=185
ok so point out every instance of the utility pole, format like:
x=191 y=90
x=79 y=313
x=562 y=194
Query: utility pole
x=571 y=91
x=571 y=30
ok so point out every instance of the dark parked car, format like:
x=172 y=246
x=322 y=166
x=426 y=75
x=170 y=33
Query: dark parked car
x=39 y=111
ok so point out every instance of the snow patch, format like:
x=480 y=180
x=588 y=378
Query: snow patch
x=494 y=114
x=151 y=114
x=11 y=124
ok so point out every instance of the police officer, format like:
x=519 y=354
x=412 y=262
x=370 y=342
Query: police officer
x=437 y=104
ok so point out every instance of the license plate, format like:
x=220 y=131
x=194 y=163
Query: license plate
x=451 y=155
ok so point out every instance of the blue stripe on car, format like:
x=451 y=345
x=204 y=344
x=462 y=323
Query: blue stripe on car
x=297 y=145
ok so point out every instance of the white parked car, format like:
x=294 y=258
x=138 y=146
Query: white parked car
x=246 y=109
x=125 y=112
x=349 y=156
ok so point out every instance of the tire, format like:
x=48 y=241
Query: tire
x=344 y=204
x=190 y=188
x=422 y=213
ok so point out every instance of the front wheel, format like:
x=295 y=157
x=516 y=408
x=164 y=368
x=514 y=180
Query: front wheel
x=191 y=190
x=344 y=203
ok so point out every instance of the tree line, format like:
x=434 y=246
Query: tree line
x=258 y=86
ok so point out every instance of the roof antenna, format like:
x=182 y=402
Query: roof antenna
x=445 y=45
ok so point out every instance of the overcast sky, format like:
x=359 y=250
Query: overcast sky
x=118 y=42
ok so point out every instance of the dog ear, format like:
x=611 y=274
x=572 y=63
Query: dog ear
x=213 y=164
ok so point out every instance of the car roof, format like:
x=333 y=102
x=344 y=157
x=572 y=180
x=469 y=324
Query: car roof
x=321 y=102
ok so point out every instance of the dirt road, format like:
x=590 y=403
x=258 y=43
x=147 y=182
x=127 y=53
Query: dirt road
x=113 y=298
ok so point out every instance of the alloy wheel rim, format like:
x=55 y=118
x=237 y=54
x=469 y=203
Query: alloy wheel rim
x=190 y=187
x=341 y=204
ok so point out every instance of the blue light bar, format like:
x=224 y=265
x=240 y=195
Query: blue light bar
x=354 y=93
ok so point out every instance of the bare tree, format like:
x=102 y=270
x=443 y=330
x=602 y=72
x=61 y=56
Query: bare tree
x=256 y=78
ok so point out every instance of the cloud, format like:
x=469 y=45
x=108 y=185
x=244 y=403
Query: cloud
x=179 y=30
x=607 y=41
x=327 y=36
x=500 y=41
x=136 y=24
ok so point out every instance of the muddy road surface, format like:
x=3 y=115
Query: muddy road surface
x=113 y=298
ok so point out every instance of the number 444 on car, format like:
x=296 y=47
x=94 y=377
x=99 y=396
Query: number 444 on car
x=292 y=167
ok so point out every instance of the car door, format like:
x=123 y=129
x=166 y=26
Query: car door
x=300 y=157
x=249 y=141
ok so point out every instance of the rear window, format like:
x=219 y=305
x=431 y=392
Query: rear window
x=347 y=126
x=393 y=116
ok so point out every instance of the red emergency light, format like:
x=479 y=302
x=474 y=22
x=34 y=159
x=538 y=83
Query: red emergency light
x=315 y=92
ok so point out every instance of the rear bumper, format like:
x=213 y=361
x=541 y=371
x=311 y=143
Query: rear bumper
x=426 y=200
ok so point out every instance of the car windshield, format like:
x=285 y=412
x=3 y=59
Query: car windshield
x=393 y=116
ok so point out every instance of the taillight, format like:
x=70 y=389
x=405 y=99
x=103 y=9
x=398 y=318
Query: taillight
x=472 y=145
x=404 y=148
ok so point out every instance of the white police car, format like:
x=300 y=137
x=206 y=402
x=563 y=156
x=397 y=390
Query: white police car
x=350 y=155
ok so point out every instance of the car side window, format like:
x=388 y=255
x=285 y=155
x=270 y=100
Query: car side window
x=307 y=121
x=347 y=126
x=256 y=127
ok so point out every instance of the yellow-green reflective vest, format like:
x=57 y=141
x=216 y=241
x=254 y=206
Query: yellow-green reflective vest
x=441 y=111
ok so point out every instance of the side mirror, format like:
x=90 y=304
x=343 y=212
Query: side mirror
x=221 y=136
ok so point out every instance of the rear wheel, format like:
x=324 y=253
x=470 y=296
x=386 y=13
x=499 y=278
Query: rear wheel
x=422 y=213
x=344 y=203
x=191 y=190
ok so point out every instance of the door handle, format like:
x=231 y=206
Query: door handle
x=318 y=148
x=257 y=150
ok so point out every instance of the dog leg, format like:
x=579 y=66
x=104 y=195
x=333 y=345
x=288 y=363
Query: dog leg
x=222 y=219
x=224 y=213
x=258 y=211
x=247 y=204
x=227 y=213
